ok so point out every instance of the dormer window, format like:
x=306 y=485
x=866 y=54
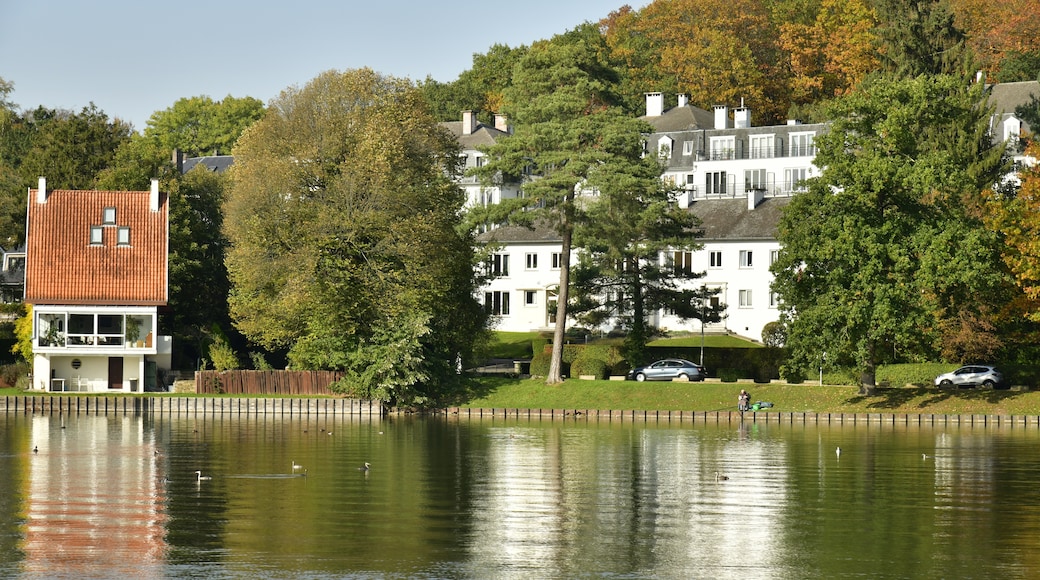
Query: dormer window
x=109 y=216
x=97 y=235
x=123 y=237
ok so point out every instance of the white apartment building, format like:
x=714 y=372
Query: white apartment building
x=735 y=177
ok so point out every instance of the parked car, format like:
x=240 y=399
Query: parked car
x=972 y=376
x=668 y=369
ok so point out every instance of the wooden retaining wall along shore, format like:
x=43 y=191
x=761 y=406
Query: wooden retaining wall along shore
x=736 y=417
x=188 y=405
x=303 y=407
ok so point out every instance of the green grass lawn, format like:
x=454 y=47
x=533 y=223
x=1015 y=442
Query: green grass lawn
x=710 y=341
x=499 y=393
x=515 y=345
x=668 y=396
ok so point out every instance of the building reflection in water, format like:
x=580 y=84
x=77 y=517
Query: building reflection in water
x=85 y=506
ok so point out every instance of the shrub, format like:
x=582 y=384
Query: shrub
x=588 y=365
x=729 y=375
x=792 y=375
x=540 y=363
x=538 y=345
x=10 y=374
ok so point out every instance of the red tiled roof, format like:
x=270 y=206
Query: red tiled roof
x=63 y=267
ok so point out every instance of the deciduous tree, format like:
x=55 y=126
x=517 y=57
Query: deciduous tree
x=888 y=246
x=342 y=220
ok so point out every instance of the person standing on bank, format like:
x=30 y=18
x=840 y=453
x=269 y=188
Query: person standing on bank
x=743 y=401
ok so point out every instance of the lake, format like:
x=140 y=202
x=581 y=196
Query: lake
x=117 y=495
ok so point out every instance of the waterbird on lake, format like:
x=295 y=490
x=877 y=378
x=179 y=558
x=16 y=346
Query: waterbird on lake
x=837 y=452
x=365 y=468
x=36 y=449
x=296 y=466
x=201 y=477
x=925 y=456
x=720 y=477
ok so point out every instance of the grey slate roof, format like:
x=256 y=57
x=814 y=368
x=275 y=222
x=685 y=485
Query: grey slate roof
x=217 y=163
x=721 y=219
x=1005 y=97
x=520 y=234
x=482 y=136
x=686 y=118
x=730 y=219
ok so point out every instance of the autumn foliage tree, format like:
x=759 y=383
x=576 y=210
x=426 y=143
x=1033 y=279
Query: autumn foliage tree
x=832 y=54
x=344 y=249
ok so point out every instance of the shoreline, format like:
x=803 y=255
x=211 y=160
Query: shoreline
x=315 y=407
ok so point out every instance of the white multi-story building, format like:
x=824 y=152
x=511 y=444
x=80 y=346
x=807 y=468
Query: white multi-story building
x=735 y=177
x=473 y=136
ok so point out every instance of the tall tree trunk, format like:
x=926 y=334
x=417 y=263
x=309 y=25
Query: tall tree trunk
x=868 y=378
x=559 y=334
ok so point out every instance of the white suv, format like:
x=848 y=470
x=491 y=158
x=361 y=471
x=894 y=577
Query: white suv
x=972 y=376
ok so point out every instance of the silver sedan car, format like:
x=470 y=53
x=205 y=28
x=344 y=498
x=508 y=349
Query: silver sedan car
x=668 y=369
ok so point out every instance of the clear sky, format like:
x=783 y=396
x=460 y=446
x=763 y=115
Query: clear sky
x=134 y=57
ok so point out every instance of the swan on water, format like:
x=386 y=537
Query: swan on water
x=202 y=477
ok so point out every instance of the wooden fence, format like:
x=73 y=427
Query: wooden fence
x=266 y=382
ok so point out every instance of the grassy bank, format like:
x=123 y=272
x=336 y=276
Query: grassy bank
x=667 y=396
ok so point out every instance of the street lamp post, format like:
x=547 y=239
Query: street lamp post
x=702 y=333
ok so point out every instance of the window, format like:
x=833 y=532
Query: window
x=802 y=144
x=480 y=160
x=687 y=148
x=754 y=180
x=745 y=259
x=97 y=235
x=745 y=298
x=108 y=216
x=682 y=262
x=496 y=303
x=531 y=261
x=794 y=179
x=123 y=237
x=530 y=298
x=715 y=182
x=557 y=259
x=715 y=259
x=664 y=148
x=774 y=255
x=761 y=146
x=498 y=264
x=774 y=299
x=722 y=148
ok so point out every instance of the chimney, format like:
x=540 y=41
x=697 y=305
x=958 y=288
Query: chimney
x=654 y=104
x=469 y=122
x=153 y=196
x=755 y=197
x=721 y=117
x=41 y=191
x=742 y=118
x=178 y=160
x=683 y=100
x=501 y=123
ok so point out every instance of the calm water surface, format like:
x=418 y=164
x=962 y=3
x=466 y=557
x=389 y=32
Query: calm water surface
x=117 y=496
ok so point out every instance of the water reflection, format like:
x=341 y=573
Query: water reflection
x=118 y=496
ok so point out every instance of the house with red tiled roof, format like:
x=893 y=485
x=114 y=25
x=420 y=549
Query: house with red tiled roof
x=96 y=272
